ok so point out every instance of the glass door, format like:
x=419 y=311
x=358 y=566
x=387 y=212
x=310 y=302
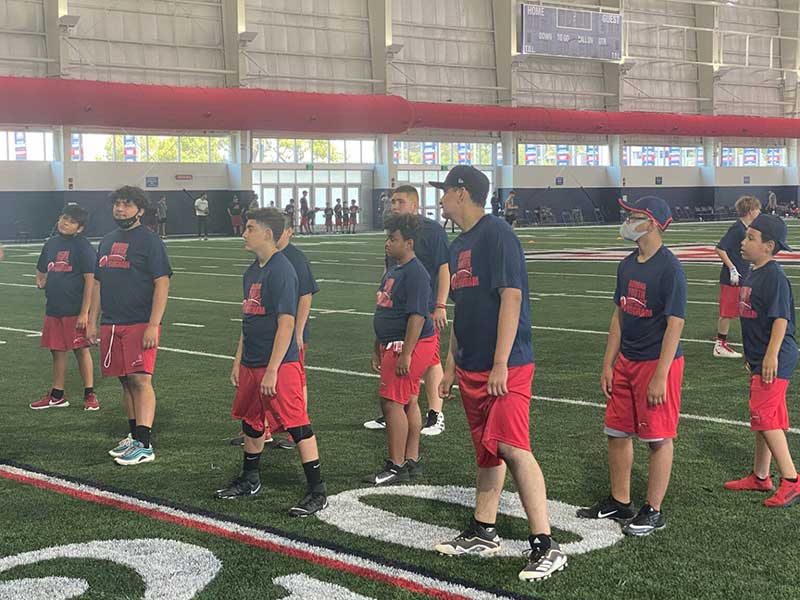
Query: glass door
x=268 y=196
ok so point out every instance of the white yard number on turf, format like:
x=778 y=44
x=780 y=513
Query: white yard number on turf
x=170 y=570
x=348 y=513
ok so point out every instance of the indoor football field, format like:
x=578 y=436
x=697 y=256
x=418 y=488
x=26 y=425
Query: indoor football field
x=84 y=525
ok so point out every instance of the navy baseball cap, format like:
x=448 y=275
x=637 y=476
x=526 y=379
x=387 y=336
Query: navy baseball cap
x=470 y=178
x=774 y=227
x=654 y=207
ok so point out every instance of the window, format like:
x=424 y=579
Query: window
x=162 y=148
x=562 y=155
x=753 y=157
x=304 y=151
x=352 y=151
x=308 y=151
x=337 y=151
x=26 y=145
x=286 y=152
x=662 y=156
x=442 y=153
x=194 y=149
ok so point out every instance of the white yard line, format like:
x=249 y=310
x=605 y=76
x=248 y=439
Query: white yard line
x=196 y=325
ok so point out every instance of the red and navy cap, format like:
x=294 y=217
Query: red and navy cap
x=654 y=207
x=774 y=227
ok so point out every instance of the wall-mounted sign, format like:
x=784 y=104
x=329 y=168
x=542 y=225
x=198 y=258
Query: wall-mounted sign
x=659 y=180
x=559 y=181
x=184 y=177
x=746 y=179
x=151 y=182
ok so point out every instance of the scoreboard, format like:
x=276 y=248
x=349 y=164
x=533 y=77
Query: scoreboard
x=551 y=31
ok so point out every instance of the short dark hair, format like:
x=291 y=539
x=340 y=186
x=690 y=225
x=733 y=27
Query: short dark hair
x=131 y=193
x=406 y=225
x=77 y=213
x=766 y=237
x=271 y=218
x=407 y=189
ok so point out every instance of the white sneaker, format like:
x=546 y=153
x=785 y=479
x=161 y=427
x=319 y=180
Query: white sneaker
x=723 y=350
x=435 y=424
x=379 y=423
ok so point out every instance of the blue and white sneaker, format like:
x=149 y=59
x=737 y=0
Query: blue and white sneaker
x=122 y=446
x=136 y=454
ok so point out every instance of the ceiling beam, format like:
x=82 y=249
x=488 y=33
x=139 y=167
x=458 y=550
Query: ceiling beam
x=504 y=20
x=380 y=38
x=706 y=17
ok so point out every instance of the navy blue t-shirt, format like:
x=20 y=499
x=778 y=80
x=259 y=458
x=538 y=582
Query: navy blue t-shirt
x=731 y=243
x=766 y=295
x=65 y=260
x=431 y=250
x=404 y=291
x=647 y=295
x=269 y=291
x=305 y=278
x=483 y=260
x=128 y=263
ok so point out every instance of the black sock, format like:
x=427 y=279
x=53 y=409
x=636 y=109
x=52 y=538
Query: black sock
x=313 y=474
x=722 y=337
x=793 y=480
x=539 y=541
x=87 y=391
x=132 y=426
x=57 y=394
x=142 y=435
x=620 y=503
x=251 y=465
x=487 y=526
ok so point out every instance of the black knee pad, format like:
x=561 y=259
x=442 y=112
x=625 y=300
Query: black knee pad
x=300 y=433
x=251 y=432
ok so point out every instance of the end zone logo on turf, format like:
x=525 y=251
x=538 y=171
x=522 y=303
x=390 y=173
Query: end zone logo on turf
x=698 y=254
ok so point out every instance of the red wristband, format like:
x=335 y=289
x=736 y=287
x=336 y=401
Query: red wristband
x=441 y=306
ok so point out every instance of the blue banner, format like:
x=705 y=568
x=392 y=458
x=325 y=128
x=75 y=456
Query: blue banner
x=77 y=149
x=20 y=148
x=129 y=148
x=563 y=158
x=675 y=157
x=648 y=156
x=464 y=154
x=429 y=153
x=750 y=157
x=728 y=159
x=592 y=156
x=531 y=154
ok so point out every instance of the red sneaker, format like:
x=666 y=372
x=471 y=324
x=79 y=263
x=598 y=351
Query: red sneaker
x=788 y=493
x=751 y=482
x=49 y=402
x=90 y=402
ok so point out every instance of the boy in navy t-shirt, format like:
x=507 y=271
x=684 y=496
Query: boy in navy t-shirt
x=643 y=367
x=328 y=218
x=404 y=347
x=734 y=269
x=766 y=309
x=65 y=271
x=267 y=371
x=132 y=275
x=430 y=247
x=491 y=355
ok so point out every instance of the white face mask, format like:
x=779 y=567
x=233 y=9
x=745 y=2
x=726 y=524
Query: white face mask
x=627 y=231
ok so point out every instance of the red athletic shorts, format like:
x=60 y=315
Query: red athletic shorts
x=60 y=333
x=729 y=301
x=494 y=419
x=400 y=388
x=436 y=359
x=283 y=410
x=628 y=414
x=303 y=362
x=338 y=220
x=121 y=350
x=768 y=404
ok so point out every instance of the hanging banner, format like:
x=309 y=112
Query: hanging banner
x=727 y=159
x=429 y=153
x=648 y=156
x=396 y=150
x=675 y=157
x=562 y=156
x=774 y=158
x=129 y=148
x=531 y=154
x=499 y=154
x=464 y=154
x=592 y=156
x=77 y=150
x=750 y=157
x=20 y=148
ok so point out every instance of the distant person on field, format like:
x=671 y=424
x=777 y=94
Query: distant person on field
x=511 y=208
x=772 y=203
x=767 y=314
x=495 y=203
x=161 y=210
x=304 y=215
x=338 y=212
x=491 y=356
x=267 y=371
x=289 y=211
x=201 y=212
x=643 y=368
x=312 y=219
x=235 y=213
x=354 y=210
x=734 y=269
x=130 y=295
x=65 y=271
x=404 y=348
x=328 y=218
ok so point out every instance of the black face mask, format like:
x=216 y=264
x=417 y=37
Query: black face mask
x=127 y=223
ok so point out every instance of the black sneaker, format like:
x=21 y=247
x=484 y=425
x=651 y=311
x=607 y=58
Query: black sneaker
x=379 y=423
x=609 y=508
x=280 y=444
x=310 y=504
x=475 y=540
x=241 y=486
x=413 y=468
x=542 y=564
x=235 y=441
x=645 y=522
x=390 y=474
